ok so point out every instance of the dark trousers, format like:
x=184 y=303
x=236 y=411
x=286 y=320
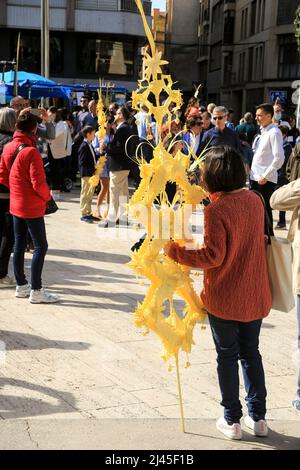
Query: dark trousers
x=6 y=236
x=266 y=190
x=57 y=177
x=37 y=230
x=236 y=341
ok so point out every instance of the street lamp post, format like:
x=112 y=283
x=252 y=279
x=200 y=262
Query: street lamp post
x=45 y=39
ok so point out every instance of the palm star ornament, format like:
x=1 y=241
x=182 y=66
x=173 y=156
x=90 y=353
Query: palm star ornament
x=157 y=313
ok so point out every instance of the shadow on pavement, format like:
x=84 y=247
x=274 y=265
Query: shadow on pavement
x=113 y=258
x=20 y=341
x=19 y=406
x=274 y=441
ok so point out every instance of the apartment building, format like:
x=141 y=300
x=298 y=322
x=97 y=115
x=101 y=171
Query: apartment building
x=88 y=38
x=159 y=29
x=251 y=52
x=182 y=42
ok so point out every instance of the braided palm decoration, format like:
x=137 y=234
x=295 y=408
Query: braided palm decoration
x=167 y=277
x=94 y=180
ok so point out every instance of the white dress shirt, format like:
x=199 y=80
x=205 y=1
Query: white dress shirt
x=268 y=154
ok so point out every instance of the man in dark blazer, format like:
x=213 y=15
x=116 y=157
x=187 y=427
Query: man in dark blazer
x=87 y=163
x=119 y=165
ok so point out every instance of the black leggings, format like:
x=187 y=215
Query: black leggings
x=56 y=171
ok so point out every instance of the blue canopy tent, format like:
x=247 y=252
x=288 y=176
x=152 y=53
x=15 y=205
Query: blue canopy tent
x=31 y=85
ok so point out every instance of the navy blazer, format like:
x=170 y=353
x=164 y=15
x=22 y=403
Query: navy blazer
x=86 y=162
x=117 y=157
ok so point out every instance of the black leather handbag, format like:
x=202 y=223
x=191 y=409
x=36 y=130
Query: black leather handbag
x=52 y=207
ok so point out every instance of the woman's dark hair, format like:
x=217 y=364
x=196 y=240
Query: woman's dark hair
x=125 y=112
x=26 y=123
x=64 y=114
x=224 y=170
x=110 y=117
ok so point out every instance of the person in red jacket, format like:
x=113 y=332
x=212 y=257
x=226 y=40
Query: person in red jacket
x=29 y=194
x=236 y=291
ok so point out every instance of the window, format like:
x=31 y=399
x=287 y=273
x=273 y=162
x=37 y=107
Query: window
x=215 y=57
x=289 y=57
x=30 y=52
x=242 y=62
x=253 y=17
x=103 y=57
x=250 y=64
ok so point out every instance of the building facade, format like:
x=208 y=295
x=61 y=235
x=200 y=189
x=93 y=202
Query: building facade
x=159 y=29
x=248 y=51
x=89 y=39
x=182 y=42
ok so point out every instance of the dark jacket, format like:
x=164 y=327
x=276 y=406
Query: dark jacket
x=216 y=138
x=117 y=157
x=86 y=162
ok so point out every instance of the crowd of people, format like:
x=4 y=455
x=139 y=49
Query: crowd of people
x=39 y=147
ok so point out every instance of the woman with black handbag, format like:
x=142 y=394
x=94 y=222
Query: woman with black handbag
x=8 y=120
x=21 y=170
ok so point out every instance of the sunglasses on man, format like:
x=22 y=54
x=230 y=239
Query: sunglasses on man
x=218 y=118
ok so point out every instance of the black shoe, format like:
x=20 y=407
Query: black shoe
x=103 y=224
x=280 y=226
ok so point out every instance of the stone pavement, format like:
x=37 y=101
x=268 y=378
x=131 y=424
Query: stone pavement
x=80 y=375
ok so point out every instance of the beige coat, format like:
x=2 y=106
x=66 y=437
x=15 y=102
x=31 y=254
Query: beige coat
x=287 y=198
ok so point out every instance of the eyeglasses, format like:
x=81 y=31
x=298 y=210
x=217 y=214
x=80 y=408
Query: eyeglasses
x=199 y=123
x=218 y=118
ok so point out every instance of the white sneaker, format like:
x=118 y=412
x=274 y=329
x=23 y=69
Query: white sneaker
x=232 y=431
x=260 y=427
x=22 y=292
x=42 y=297
x=6 y=282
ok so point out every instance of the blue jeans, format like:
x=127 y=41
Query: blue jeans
x=37 y=230
x=236 y=341
x=298 y=317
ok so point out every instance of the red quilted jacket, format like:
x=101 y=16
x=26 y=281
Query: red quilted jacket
x=29 y=192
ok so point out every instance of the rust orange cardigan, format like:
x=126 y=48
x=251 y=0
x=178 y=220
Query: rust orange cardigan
x=233 y=257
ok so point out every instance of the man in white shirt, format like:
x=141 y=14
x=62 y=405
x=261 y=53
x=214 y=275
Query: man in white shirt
x=268 y=155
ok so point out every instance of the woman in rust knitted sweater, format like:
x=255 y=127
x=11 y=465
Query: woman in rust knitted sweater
x=236 y=289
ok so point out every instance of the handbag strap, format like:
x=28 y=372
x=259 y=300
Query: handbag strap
x=268 y=223
x=19 y=149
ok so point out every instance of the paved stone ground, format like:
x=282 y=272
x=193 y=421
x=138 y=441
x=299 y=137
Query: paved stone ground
x=80 y=375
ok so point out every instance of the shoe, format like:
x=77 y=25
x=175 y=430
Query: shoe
x=260 y=427
x=232 y=431
x=6 y=282
x=22 y=292
x=122 y=222
x=88 y=220
x=280 y=226
x=296 y=404
x=94 y=219
x=42 y=297
x=103 y=224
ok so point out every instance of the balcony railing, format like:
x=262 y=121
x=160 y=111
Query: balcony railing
x=113 y=5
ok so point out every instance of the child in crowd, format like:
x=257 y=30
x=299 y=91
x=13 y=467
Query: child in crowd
x=87 y=163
